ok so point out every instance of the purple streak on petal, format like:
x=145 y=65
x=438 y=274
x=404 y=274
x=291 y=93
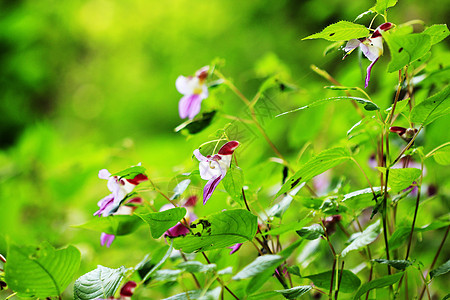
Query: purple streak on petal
x=210 y=187
x=106 y=239
x=369 y=70
x=189 y=106
x=235 y=248
x=104 y=174
x=105 y=206
x=200 y=156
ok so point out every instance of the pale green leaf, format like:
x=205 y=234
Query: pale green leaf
x=258 y=266
x=441 y=270
x=312 y=232
x=113 y=224
x=159 y=264
x=233 y=183
x=407 y=48
x=361 y=198
x=281 y=207
x=442 y=155
x=196 y=267
x=364 y=238
x=341 y=31
x=349 y=282
x=159 y=222
x=432 y=108
x=99 y=283
x=218 y=231
x=378 y=283
x=437 y=32
x=317 y=165
x=197 y=295
x=400 y=179
x=130 y=173
x=294 y=292
x=40 y=271
x=401 y=234
x=166 y=275
x=382 y=5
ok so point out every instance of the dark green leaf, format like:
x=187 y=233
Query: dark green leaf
x=258 y=266
x=315 y=166
x=159 y=222
x=437 y=32
x=218 y=231
x=233 y=183
x=378 y=283
x=114 y=224
x=364 y=238
x=368 y=105
x=349 y=282
x=400 y=179
x=40 y=271
x=196 y=267
x=341 y=31
x=130 y=173
x=340 y=88
x=406 y=48
x=441 y=270
x=99 y=283
x=294 y=270
x=160 y=263
x=312 y=232
x=432 y=108
x=294 y=292
x=198 y=124
x=398 y=264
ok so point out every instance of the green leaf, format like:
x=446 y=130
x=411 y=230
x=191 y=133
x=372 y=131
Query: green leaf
x=180 y=188
x=382 y=5
x=159 y=222
x=166 y=275
x=130 y=173
x=295 y=292
x=197 y=294
x=263 y=296
x=99 y=283
x=286 y=252
x=160 y=263
x=401 y=234
x=441 y=270
x=405 y=49
x=198 y=124
x=361 y=198
x=233 y=183
x=378 y=283
x=432 y=108
x=42 y=271
x=437 y=32
x=364 y=238
x=289 y=227
x=368 y=105
x=218 y=231
x=258 y=266
x=312 y=232
x=340 y=88
x=442 y=156
x=400 y=179
x=196 y=267
x=317 y=165
x=398 y=264
x=114 y=224
x=349 y=282
x=341 y=31
x=281 y=207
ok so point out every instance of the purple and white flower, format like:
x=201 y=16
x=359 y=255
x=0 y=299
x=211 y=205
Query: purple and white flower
x=372 y=47
x=181 y=228
x=214 y=167
x=194 y=89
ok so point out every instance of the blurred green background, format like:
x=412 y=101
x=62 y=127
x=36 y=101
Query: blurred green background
x=86 y=85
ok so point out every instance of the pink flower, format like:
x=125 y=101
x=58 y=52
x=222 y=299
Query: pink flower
x=235 y=248
x=120 y=188
x=194 y=90
x=106 y=239
x=214 y=167
x=372 y=47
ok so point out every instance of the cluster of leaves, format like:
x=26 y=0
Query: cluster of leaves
x=45 y=272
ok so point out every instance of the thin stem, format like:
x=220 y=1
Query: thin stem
x=384 y=216
x=330 y=294
x=245 y=200
x=436 y=149
x=10 y=296
x=193 y=275
x=397 y=94
x=407 y=146
x=414 y=220
x=219 y=280
x=365 y=176
x=435 y=260
x=339 y=282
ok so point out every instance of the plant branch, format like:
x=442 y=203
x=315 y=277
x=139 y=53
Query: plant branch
x=220 y=280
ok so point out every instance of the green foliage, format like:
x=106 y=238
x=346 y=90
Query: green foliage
x=315 y=166
x=400 y=179
x=401 y=234
x=363 y=239
x=437 y=32
x=383 y=5
x=130 y=173
x=41 y=271
x=197 y=294
x=218 y=231
x=378 y=283
x=341 y=31
x=349 y=281
x=101 y=282
x=432 y=108
x=196 y=267
x=159 y=222
x=441 y=270
x=398 y=264
x=295 y=292
x=258 y=266
x=406 y=49
x=312 y=232
x=233 y=183
x=114 y=224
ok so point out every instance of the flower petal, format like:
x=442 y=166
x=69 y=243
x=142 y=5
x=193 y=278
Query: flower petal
x=235 y=248
x=209 y=170
x=352 y=44
x=200 y=156
x=177 y=230
x=189 y=106
x=183 y=85
x=210 y=187
x=104 y=174
x=106 y=239
x=369 y=70
x=228 y=148
x=105 y=206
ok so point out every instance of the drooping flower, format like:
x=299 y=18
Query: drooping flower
x=405 y=133
x=214 y=167
x=194 y=90
x=235 y=248
x=120 y=188
x=372 y=47
x=181 y=227
x=127 y=290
